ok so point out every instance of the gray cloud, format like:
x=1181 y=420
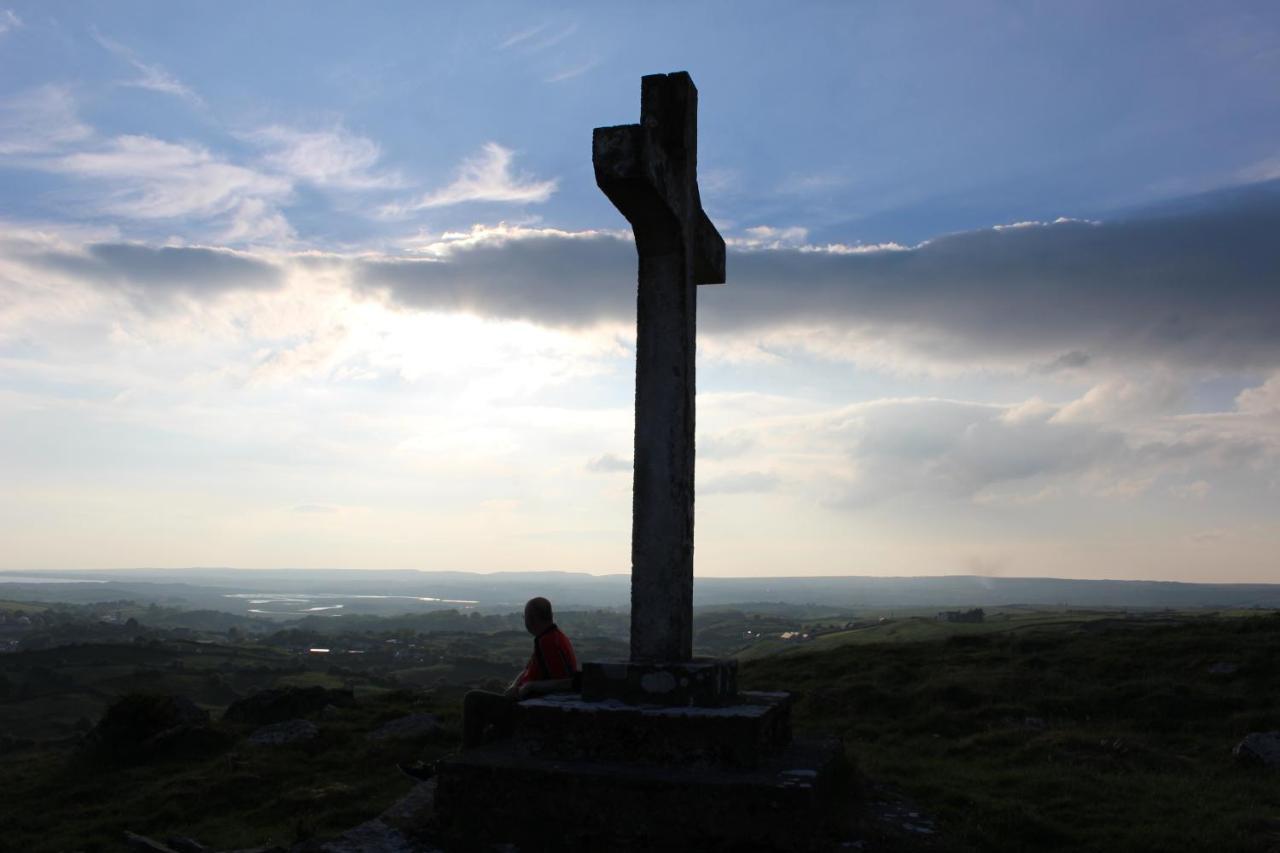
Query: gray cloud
x=958 y=450
x=746 y=482
x=1192 y=284
x=553 y=280
x=156 y=271
x=608 y=464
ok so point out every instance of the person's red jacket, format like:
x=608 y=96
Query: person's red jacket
x=552 y=658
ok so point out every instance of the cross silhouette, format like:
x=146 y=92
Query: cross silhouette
x=650 y=173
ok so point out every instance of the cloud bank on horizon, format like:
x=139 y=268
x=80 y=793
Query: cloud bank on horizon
x=221 y=304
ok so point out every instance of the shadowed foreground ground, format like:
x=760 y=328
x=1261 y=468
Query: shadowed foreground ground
x=1102 y=736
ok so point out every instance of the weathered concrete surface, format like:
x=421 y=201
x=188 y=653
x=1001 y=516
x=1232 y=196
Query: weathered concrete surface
x=744 y=735
x=650 y=172
x=706 y=682
x=600 y=805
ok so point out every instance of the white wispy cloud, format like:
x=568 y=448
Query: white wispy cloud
x=521 y=36
x=150 y=77
x=769 y=237
x=152 y=179
x=538 y=38
x=328 y=158
x=9 y=20
x=40 y=121
x=488 y=176
x=572 y=71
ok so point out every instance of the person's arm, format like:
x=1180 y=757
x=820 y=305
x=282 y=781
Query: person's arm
x=518 y=683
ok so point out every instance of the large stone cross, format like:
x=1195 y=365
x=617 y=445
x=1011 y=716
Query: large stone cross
x=650 y=172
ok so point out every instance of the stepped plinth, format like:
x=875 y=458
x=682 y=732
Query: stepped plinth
x=584 y=775
x=497 y=793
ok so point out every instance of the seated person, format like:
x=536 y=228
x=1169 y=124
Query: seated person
x=552 y=668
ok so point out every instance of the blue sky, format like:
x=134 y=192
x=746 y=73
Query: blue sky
x=300 y=284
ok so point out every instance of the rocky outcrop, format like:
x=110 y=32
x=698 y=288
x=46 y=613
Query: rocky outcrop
x=394 y=831
x=1259 y=749
x=411 y=726
x=140 y=726
x=290 y=731
x=285 y=703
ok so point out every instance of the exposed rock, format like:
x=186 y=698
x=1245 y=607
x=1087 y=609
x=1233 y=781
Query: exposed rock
x=414 y=808
x=392 y=832
x=142 y=725
x=183 y=844
x=414 y=725
x=285 y=703
x=290 y=731
x=373 y=836
x=330 y=712
x=144 y=844
x=1260 y=749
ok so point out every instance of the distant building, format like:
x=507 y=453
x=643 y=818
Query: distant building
x=974 y=615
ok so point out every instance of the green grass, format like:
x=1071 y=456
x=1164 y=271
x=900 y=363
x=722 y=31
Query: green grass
x=1110 y=736
x=244 y=797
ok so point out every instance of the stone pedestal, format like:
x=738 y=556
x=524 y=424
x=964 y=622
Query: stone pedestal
x=496 y=794
x=616 y=775
x=746 y=734
x=701 y=682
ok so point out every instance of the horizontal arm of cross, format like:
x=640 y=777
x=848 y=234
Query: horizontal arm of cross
x=633 y=172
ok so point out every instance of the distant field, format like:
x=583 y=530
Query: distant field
x=22 y=606
x=52 y=692
x=927 y=628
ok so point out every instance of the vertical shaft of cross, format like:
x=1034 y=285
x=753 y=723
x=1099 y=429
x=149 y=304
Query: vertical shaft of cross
x=662 y=497
x=649 y=171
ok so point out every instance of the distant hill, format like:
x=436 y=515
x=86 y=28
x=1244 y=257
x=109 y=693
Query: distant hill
x=293 y=593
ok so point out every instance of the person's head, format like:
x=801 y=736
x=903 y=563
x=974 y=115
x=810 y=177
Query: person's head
x=537 y=615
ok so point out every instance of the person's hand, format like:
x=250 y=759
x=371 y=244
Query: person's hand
x=527 y=690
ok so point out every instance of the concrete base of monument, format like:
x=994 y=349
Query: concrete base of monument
x=497 y=793
x=745 y=734
x=703 y=682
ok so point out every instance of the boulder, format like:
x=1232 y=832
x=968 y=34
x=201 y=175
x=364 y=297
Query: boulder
x=290 y=731
x=144 y=725
x=285 y=703
x=1259 y=749
x=414 y=725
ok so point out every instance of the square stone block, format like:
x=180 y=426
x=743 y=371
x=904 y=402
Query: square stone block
x=740 y=735
x=496 y=794
x=702 y=682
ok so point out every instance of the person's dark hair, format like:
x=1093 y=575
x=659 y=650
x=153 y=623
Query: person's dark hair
x=540 y=609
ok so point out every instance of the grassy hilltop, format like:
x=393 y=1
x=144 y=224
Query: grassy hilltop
x=1043 y=730
x=1103 y=735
